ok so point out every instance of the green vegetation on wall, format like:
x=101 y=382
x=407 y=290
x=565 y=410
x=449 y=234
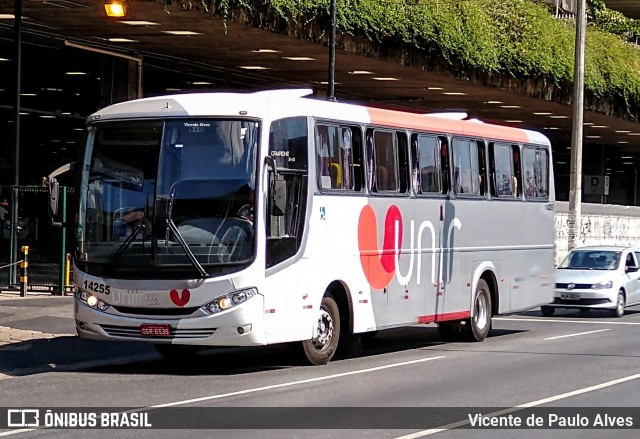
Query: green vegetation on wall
x=520 y=38
x=609 y=20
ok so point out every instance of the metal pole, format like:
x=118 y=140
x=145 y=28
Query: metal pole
x=24 y=277
x=575 y=176
x=13 y=238
x=332 y=54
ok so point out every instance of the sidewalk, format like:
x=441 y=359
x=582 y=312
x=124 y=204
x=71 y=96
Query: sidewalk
x=35 y=317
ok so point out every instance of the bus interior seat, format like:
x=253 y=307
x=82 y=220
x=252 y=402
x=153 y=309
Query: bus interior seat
x=336 y=175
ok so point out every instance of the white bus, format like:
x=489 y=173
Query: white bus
x=244 y=219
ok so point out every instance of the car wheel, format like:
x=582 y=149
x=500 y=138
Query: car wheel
x=620 y=302
x=547 y=311
x=322 y=347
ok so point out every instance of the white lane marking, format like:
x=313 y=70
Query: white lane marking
x=593 y=322
x=262 y=389
x=22 y=430
x=576 y=334
x=539 y=402
x=295 y=383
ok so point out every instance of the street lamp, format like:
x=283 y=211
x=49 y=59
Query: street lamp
x=116 y=8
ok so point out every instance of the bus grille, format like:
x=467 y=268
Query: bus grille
x=134 y=332
x=156 y=311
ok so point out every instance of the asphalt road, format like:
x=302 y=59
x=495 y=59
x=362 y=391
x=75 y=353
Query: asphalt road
x=408 y=381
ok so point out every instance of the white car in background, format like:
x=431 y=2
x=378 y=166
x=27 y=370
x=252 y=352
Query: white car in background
x=597 y=278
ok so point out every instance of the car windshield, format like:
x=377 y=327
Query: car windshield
x=591 y=260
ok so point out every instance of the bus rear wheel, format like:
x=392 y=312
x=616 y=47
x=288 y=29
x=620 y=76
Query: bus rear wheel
x=479 y=324
x=322 y=347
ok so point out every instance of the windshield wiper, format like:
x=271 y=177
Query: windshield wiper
x=127 y=242
x=172 y=226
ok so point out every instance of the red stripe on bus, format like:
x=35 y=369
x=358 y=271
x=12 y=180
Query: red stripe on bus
x=424 y=122
x=460 y=315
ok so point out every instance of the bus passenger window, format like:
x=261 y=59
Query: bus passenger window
x=386 y=162
x=323 y=163
x=335 y=157
x=535 y=162
x=467 y=167
x=505 y=169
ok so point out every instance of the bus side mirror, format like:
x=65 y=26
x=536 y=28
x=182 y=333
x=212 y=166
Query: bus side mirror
x=54 y=196
x=278 y=200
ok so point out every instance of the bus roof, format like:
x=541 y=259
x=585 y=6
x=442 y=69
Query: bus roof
x=294 y=102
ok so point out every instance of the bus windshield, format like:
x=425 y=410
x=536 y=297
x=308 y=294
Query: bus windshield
x=174 y=193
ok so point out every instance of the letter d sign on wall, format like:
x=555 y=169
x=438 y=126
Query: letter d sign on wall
x=596 y=184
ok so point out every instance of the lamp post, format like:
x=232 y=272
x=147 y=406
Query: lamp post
x=575 y=173
x=332 y=53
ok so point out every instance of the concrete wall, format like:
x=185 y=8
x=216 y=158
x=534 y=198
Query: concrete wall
x=600 y=225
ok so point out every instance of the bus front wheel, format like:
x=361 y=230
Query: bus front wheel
x=322 y=347
x=479 y=324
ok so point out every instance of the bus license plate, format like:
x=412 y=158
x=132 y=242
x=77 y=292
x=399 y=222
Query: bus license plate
x=570 y=296
x=155 y=330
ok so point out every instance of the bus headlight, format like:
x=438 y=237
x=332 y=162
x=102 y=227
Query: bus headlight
x=228 y=301
x=602 y=285
x=91 y=301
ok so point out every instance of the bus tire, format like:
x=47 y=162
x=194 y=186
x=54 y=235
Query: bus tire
x=174 y=353
x=321 y=349
x=479 y=324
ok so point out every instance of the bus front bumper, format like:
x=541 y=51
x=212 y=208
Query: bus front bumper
x=239 y=326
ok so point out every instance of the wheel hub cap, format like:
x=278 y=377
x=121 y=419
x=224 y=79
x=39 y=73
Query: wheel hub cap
x=324 y=332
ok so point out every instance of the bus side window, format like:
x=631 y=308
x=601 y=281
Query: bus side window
x=335 y=157
x=385 y=157
x=467 y=172
x=323 y=164
x=535 y=163
x=427 y=172
x=505 y=170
